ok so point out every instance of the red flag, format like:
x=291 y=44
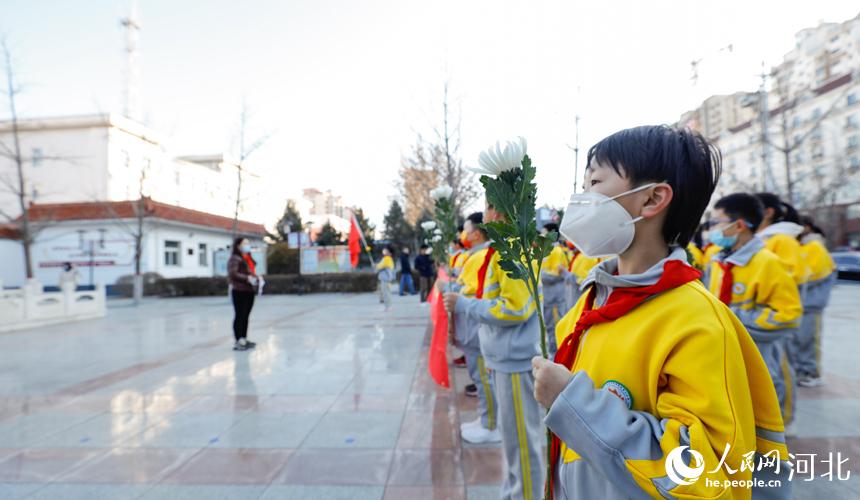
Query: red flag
x=354 y=242
x=437 y=361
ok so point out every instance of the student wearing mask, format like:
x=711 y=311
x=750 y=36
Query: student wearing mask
x=471 y=283
x=242 y=275
x=509 y=335
x=651 y=366
x=752 y=281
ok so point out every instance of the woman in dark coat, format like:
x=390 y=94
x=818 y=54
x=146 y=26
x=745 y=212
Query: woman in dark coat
x=242 y=275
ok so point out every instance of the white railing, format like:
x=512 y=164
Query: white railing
x=30 y=306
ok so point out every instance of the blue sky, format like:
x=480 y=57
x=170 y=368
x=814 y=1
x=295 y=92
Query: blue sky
x=345 y=85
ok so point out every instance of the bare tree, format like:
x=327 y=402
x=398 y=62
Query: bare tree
x=434 y=162
x=245 y=151
x=788 y=144
x=18 y=184
x=141 y=210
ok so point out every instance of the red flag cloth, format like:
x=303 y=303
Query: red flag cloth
x=354 y=243
x=619 y=303
x=437 y=361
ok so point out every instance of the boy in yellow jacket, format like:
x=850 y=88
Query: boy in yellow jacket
x=657 y=390
x=471 y=284
x=753 y=282
x=509 y=334
x=805 y=347
x=385 y=275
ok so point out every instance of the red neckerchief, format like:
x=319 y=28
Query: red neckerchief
x=456 y=258
x=251 y=267
x=727 y=283
x=570 y=264
x=620 y=302
x=482 y=272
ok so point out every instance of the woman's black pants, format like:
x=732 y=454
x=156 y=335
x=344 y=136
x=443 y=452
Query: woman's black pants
x=242 y=304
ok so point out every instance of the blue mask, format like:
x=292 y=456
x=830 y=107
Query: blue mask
x=717 y=237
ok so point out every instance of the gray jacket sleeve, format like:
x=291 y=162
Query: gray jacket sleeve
x=606 y=433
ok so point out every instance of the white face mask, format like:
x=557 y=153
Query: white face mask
x=598 y=225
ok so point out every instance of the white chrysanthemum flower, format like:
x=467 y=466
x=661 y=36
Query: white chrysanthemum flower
x=436 y=238
x=441 y=192
x=496 y=160
x=428 y=225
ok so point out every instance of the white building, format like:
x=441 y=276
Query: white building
x=98 y=238
x=320 y=207
x=813 y=130
x=112 y=158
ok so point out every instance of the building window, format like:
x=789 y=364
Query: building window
x=852 y=98
x=202 y=255
x=171 y=253
x=851 y=121
x=816 y=114
x=37 y=157
x=853 y=142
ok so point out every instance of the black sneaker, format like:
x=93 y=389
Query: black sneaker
x=250 y=345
x=472 y=390
x=240 y=347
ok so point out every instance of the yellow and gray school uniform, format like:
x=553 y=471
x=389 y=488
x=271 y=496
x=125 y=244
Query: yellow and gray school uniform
x=385 y=274
x=766 y=300
x=805 y=346
x=553 y=285
x=466 y=336
x=677 y=370
x=509 y=334
x=582 y=265
x=781 y=239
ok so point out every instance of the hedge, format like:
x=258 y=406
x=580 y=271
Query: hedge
x=275 y=285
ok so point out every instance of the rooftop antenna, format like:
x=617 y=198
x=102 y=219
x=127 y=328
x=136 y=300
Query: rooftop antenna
x=131 y=101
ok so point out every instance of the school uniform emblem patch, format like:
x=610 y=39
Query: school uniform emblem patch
x=739 y=288
x=617 y=388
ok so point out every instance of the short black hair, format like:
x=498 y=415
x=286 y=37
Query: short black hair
x=551 y=226
x=659 y=153
x=477 y=218
x=456 y=241
x=424 y=246
x=743 y=206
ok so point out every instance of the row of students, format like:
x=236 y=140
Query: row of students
x=652 y=358
x=503 y=315
x=798 y=246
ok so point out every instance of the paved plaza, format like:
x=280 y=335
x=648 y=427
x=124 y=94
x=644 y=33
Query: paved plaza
x=334 y=403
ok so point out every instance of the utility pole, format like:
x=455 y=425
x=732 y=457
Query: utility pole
x=131 y=104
